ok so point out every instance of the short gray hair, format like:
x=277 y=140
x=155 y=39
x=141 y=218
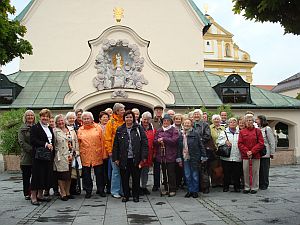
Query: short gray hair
x=29 y=111
x=59 y=116
x=86 y=113
x=147 y=115
x=135 y=110
x=69 y=114
x=118 y=106
x=198 y=111
x=232 y=119
x=215 y=116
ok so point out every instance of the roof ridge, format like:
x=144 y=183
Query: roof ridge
x=22 y=14
x=199 y=13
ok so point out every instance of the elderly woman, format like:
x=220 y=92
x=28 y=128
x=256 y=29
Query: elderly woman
x=103 y=120
x=250 y=144
x=192 y=152
x=270 y=143
x=65 y=145
x=215 y=167
x=115 y=121
x=136 y=114
x=26 y=151
x=129 y=150
x=231 y=165
x=70 y=120
x=166 y=142
x=241 y=123
x=42 y=139
x=91 y=147
x=150 y=133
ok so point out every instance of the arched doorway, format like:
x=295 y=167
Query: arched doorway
x=128 y=105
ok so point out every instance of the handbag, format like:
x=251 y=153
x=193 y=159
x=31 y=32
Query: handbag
x=262 y=152
x=224 y=150
x=204 y=178
x=42 y=153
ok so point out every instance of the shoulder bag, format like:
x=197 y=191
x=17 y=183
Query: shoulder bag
x=224 y=150
x=262 y=152
x=42 y=153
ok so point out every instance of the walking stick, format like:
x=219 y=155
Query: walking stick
x=164 y=160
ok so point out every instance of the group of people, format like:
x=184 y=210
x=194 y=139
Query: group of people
x=58 y=151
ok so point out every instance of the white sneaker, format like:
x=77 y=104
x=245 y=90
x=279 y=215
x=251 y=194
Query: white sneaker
x=116 y=196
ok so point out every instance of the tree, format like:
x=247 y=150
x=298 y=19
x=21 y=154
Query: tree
x=12 y=32
x=298 y=96
x=286 y=12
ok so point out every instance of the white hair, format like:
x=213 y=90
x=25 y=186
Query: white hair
x=216 y=116
x=108 y=109
x=146 y=115
x=171 y=111
x=118 y=106
x=86 y=113
x=232 y=119
x=26 y=114
x=198 y=111
x=69 y=114
x=58 y=116
x=135 y=110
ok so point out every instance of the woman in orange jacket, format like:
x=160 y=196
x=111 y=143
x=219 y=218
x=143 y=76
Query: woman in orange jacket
x=91 y=148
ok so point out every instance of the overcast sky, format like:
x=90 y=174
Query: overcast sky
x=275 y=53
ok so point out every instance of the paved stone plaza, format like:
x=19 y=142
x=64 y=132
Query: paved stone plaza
x=278 y=205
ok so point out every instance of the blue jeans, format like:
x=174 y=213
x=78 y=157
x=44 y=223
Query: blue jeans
x=116 y=187
x=191 y=176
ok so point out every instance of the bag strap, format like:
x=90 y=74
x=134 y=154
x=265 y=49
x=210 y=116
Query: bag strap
x=226 y=135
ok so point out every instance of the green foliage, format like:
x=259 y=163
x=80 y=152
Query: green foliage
x=298 y=96
x=10 y=123
x=286 y=12
x=11 y=32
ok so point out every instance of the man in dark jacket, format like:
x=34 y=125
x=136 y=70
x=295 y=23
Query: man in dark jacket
x=130 y=149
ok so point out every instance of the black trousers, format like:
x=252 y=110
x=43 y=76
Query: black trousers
x=232 y=172
x=26 y=176
x=169 y=176
x=107 y=181
x=156 y=174
x=264 y=172
x=87 y=178
x=134 y=172
x=179 y=175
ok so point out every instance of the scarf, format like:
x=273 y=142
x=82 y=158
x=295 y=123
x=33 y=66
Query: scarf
x=185 y=151
x=167 y=128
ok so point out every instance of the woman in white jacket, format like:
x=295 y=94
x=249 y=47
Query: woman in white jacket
x=270 y=144
x=231 y=165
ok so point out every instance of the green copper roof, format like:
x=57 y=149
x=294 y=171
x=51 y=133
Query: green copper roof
x=41 y=89
x=24 y=11
x=190 y=88
x=199 y=13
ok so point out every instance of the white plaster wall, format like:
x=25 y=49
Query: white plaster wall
x=292 y=93
x=59 y=32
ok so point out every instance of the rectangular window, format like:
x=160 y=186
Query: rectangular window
x=234 y=95
x=6 y=96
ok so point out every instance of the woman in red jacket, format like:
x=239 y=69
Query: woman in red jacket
x=251 y=143
x=150 y=132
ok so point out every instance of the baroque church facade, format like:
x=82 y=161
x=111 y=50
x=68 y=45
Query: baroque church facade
x=94 y=53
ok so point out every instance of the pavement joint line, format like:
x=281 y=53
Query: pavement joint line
x=78 y=211
x=153 y=209
x=105 y=210
x=175 y=210
x=224 y=215
x=36 y=213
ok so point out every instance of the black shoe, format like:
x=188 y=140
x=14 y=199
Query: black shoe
x=88 y=195
x=102 y=194
x=225 y=189
x=136 y=199
x=188 y=194
x=154 y=189
x=64 y=198
x=125 y=199
x=145 y=191
x=36 y=203
x=246 y=191
x=195 y=195
x=253 y=191
x=70 y=197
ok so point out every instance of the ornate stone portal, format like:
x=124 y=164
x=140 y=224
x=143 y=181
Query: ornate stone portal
x=119 y=65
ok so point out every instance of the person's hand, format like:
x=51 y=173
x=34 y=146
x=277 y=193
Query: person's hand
x=117 y=162
x=160 y=140
x=272 y=156
x=228 y=143
x=180 y=164
x=50 y=147
x=249 y=154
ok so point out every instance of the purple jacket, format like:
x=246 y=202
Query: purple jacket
x=170 y=139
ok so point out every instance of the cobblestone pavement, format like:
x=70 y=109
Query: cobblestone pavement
x=280 y=204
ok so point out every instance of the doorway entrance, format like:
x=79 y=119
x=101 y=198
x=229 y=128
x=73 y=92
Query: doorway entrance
x=128 y=105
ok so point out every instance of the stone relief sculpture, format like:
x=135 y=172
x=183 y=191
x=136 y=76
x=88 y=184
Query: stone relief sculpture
x=119 y=65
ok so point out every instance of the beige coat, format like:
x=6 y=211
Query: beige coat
x=61 y=162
